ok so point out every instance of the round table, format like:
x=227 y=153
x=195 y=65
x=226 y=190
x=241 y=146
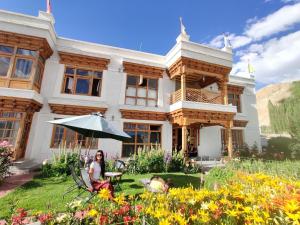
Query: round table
x=114 y=177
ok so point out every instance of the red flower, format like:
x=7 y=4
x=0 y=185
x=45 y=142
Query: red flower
x=139 y=208
x=127 y=219
x=103 y=220
x=44 y=218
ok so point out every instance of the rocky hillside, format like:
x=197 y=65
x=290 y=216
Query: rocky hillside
x=273 y=92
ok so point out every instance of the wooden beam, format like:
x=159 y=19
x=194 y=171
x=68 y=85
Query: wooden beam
x=143 y=115
x=75 y=109
x=142 y=69
x=85 y=61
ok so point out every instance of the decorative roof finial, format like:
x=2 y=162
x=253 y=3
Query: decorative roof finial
x=182 y=27
x=49 y=9
x=183 y=36
x=227 y=43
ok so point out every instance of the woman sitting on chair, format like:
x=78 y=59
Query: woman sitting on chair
x=97 y=168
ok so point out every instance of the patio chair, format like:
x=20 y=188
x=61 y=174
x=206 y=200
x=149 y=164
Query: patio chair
x=78 y=182
x=82 y=183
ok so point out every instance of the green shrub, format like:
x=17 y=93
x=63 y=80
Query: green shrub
x=217 y=176
x=175 y=162
x=5 y=159
x=154 y=160
x=60 y=164
x=147 y=161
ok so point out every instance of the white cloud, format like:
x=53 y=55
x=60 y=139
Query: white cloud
x=274 y=61
x=217 y=42
x=281 y=20
x=235 y=40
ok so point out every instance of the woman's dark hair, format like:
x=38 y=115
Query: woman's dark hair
x=102 y=162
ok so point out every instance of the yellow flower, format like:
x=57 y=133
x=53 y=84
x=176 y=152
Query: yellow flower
x=120 y=200
x=292 y=206
x=93 y=213
x=164 y=222
x=104 y=194
x=294 y=217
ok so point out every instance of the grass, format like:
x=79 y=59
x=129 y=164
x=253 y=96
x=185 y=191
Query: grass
x=44 y=194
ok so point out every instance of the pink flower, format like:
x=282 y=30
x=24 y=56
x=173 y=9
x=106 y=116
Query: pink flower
x=3 y=222
x=80 y=215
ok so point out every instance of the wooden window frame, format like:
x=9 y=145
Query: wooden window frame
x=135 y=130
x=91 y=78
x=76 y=140
x=13 y=62
x=235 y=144
x=136 y=86
x=236 y=101
x=12 y=119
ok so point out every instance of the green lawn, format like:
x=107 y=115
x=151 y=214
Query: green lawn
x=42 y=194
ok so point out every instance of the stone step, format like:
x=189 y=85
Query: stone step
x=24 y=167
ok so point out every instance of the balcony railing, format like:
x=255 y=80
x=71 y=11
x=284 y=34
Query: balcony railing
x=197 y=95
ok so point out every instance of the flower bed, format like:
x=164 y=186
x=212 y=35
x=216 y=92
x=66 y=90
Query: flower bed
x=6 y=155
x=245 y=199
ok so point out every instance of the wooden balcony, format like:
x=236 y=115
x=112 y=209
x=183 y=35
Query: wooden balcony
x=197 y=95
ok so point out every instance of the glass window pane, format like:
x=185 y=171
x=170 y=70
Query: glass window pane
x=96 y=88
x=82 y=86
x=69 y=85
x=155 y=137
x=152 y=103
x=141 y=101
x=6 y=49
x=152 y=93
x=132 y=135
x=129 y=126
x=82 y=72
x=38 y=74
x=131 y=80
x=23 y=68
x=22 y=51
x=98 y=74
x=153 y=83
x=128 y=150
x=4 y=65
x=141 y=92
x=142 y=137
x=155 y=127
x=143 y=127
x=143 y=83
x=130 y=101
x=69 y=70
x=131 y=91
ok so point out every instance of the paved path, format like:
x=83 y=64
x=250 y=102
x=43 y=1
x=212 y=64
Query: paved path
x=14 y=181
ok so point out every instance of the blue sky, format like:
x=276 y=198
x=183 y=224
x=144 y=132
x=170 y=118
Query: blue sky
x=256 y=28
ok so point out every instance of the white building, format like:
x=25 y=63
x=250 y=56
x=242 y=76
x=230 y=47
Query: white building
x=184 y=99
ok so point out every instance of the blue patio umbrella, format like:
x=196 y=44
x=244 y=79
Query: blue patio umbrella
x=93 y=125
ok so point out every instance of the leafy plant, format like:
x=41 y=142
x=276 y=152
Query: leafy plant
x=60 y=164
x=6 y=155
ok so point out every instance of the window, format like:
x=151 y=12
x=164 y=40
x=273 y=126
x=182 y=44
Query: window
x=70 y=138
x=234 y=99
x=141 y=91
x=143 y=135
x=22 y=61
x=82 y=82
x=9 y=126
x=237 y=138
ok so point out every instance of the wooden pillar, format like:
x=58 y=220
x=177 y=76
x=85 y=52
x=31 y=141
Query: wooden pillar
x=184 y=138
x=225 y=93
x=17 y=147
x=183 y=88
x=229 y=131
